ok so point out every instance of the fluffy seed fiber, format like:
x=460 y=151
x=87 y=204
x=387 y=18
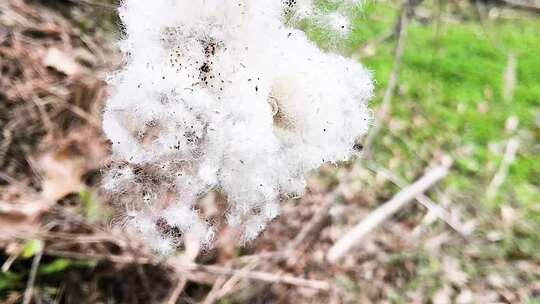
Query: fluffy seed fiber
x=223 y=95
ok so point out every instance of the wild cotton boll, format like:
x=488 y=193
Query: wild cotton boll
x=338 y=23
x=223 y=96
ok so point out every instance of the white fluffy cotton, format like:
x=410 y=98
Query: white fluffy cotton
x=223 y=95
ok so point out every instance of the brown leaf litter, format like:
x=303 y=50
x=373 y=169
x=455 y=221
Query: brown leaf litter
x=51 y=93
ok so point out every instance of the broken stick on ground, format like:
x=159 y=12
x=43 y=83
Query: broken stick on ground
x=374 y=219
x=509 y=156
x=434 y=208
x=384 y=109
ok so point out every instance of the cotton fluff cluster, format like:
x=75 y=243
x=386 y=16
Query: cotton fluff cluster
x=337 y=21
x=223 y=95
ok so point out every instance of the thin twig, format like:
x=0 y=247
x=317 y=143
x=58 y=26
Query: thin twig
x=513 y=143
x=78 y=111
x=289 y=254
x=99 y=4
x=127 y=260
x=192 y=249
x=28 y=293
x=499 y=178
x=293 y=252
x=375 y=218
x=509 y=77
x=89 y=118
x=425 y=201
x=529 y=5
x=59 y=293
x=226 y=286
x=144 y=281
x=316 y=221
x=212 y=295
x=487 y=26
x=191 y=269
x=384 y=109
x=259 y=276
x=118 y=259
x=374 y=42
x=175 y=295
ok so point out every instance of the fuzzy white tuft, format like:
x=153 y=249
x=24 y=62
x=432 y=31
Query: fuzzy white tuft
x=222 y=95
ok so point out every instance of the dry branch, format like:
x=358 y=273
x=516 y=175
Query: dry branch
x=434 y=208
x=258 y=276
x=192 y=269
x=374 y=219
x=221 y=289
x=29 y=292
x=384 y=109
x=498 y=179
x=314 y=224
x=509 y=77
x=177 y=291
x=529 y=5
x=99 y=4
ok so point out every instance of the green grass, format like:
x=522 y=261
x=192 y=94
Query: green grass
x=449 y=97
x=451 y=81
x=450 y=100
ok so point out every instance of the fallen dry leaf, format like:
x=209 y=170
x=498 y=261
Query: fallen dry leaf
x=20 y=210
x=70 y=157
x=62 y=174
